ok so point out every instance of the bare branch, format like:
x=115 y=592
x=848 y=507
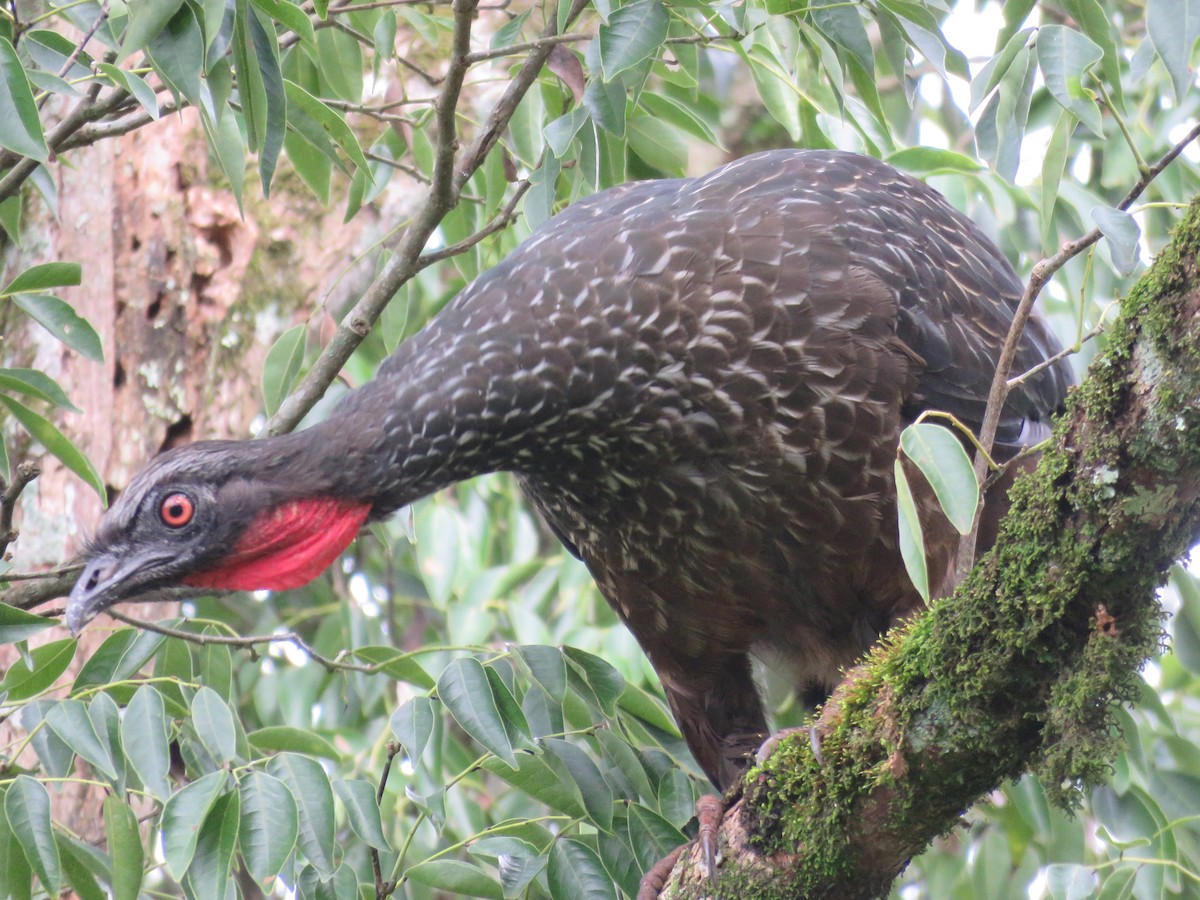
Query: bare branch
x=24 y=474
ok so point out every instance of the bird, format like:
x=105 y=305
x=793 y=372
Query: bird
x=700 y=384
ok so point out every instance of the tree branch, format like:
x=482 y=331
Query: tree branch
x=1022 y=667
x=439 y=200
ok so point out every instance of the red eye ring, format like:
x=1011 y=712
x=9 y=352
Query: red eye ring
x=177 y=510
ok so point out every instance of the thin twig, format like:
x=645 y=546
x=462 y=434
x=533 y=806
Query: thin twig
x=100 y=19
x=249 y=642
x=499 y=222
x=1018 y=380
x=383 y=888
x=1042 y=272
x=24 y=474
x=525 y=46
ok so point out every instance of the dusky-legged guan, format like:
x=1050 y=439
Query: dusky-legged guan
x=700 y=383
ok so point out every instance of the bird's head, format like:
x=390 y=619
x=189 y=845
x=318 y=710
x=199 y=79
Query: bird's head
x=228 y=515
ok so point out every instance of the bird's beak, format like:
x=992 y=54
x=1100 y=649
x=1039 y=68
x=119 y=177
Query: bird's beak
x=107 y=579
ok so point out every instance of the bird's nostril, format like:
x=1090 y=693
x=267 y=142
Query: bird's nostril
x=94 y=577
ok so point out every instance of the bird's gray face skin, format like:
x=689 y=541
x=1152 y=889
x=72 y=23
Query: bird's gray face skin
x=149 y=539
x=177 y=516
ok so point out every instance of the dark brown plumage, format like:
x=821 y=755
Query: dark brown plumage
x=700 y=383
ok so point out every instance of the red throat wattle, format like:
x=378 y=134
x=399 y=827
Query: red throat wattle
x=287 y=546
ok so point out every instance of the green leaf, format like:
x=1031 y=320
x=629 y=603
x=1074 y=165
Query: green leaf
x=27 y=807
x=124 y=848
x=843 y=24
x=20 y=127
x=45 y=276
x=658 y=143
x=912 y=541
x=362 y=809
x=1095 y=23
x=121 y=655
x=52 y=52
x=535 y=778
x=1054 y=163
x=940 y=456
x=281 y=369
x=465 y=690
x=412 y=724
x=36 y=384
x=17 y=625
x=57 y=317
x=182 y=817
x=932 y=160
x=1173 y=26
x=177 y=52
x=270 y=77
x=1064 y=56
x=575 y=873
x=561 y=132
x=16 y=878
x=208 y=876
x=396 y=664
x=683 y=116
x=84 y=868
x=602 y=678
x=141 y=91
x=329 y=121
x=986 y=80
x=548 y=668
x=1122 y=233
x=214 y=724
x=340 y=65
x=634 y=33
x=458 y=879
x=594 y=791
x=1119 y=884
x=144 y=732
x=292 y=18
x=33 y=674
x=225 y=138
x=309 y=785
x=270 y=824
x=146 y=19
x=70 y=721
x=275 y=738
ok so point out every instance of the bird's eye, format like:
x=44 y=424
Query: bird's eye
x=177 y=510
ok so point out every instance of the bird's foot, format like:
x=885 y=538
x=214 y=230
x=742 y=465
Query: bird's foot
x=709 y=810
x=655 y=880
x=769 y=745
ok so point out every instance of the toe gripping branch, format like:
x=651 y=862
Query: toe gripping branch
x=709 y=811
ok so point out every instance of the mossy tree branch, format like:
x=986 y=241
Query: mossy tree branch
x=1020 y=670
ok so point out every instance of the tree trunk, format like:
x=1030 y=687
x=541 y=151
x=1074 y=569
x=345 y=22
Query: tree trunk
x=1021 y=668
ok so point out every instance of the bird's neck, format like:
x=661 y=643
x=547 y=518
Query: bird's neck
x=453 y=404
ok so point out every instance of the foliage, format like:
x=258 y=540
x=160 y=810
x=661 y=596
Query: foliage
x=456 y=709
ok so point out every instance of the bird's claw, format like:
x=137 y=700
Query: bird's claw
x=710 y=809
x=769 y=745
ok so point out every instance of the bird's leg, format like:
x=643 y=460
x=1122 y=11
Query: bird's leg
x=709 y=810
x=721 y=717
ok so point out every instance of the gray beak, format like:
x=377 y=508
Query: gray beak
x=107 y=579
